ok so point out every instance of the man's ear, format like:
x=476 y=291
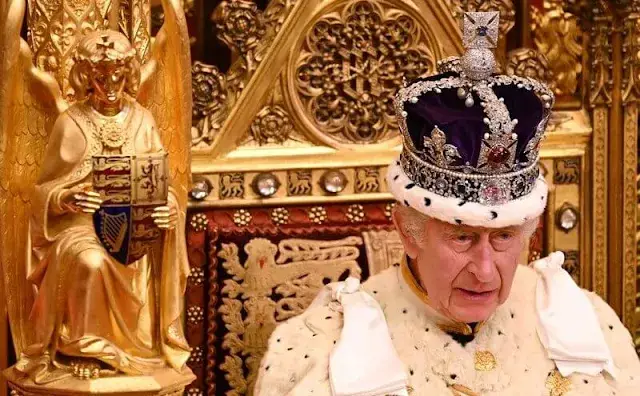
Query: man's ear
x=408 y=241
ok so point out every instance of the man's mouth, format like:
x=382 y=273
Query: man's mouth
x=478 y=295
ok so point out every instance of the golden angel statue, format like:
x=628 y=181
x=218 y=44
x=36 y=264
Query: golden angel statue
x=92 y=212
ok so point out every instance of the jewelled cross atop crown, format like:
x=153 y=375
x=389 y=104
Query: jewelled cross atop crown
x=469 y=133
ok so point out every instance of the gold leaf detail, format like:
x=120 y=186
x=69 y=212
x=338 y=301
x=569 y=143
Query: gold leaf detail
x=557 y=384
x=485 y=361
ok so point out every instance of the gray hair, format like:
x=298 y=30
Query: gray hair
x=413 y=222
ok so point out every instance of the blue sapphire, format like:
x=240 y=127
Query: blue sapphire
x=482 y=30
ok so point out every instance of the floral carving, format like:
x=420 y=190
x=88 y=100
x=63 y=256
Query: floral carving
x=351 y=65
x=271 y=125
x=527 y=62
x=209 y=97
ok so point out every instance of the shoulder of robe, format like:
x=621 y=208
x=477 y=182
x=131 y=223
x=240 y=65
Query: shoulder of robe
x=621 y=345
x=297 y=358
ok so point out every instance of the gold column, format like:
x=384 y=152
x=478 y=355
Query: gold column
x=630 y=98
x=600 y=101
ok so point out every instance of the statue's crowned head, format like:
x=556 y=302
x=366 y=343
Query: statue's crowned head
x=105 y=61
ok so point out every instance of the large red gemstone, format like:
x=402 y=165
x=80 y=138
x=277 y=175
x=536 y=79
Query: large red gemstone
x=498 y=155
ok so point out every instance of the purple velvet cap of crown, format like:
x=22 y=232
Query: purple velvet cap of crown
x=464 y=126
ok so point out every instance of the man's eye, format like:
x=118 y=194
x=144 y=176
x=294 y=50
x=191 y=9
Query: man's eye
x=504 y=236
x=463 y=238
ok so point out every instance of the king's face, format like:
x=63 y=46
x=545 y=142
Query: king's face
x=468 y=271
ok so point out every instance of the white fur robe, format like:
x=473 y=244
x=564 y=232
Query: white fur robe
x=297 y=361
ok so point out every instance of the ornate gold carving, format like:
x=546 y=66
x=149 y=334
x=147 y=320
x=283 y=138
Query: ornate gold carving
x=231 y=185
x=484 y=361
x=566 y=171
x=209 y=102
x=271 y=125
x=600 y=82
x=557 y=384
x=242 y=217
x=249 y=310
x=85 y=369
x=527 y=62
x=572 y=264
x=630 y=215
x=367 y=180
x=557 y=36
x=355 y=213
x=299 y=182
x=384 y=249
x=55 y=28
x=350 y=66
x=318 y=214
x=599 y=238
x=630 y=99
x=135 y=19
x=249 y=33
x=239 y=25
x=280 y=216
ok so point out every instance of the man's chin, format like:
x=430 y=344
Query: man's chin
x=472 y=314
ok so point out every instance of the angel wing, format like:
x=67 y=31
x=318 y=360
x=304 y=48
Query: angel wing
x=166 y=91
x=30 y=101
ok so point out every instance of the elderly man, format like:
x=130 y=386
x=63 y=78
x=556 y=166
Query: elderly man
x=459 y=316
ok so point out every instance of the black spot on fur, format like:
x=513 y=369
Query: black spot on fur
x=306 y=356
x=586 y=381
x=610 y=327
x=494 y=215
x=500 y=332
x=462 y=203
x=458 y=221
x=396 y=177
x=375 y=292
x=453 y=376
x=267 y=368
x=427 y=201
x=289 y=349
x=328 y=317
x=410 y=186
x=426 y=330
x=406 y=203
x=411 y=371
x=404 y=311
x=512 y=315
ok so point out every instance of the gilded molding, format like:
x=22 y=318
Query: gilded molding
x=630 y=97
x=600 y=198
x=249 y=33
x=566 y=171
x=629 y=218
x=557 y=35
x=343 y=90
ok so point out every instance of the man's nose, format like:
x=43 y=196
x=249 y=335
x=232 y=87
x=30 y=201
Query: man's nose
x=483 y=262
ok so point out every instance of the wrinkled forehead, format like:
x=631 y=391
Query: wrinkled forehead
x=442 y=226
